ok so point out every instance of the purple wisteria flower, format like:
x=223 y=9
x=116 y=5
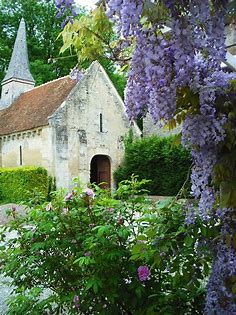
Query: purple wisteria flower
x=63 y=7
x=190 y=217
x=76 y=301
x=143 y=273
x=76 y=74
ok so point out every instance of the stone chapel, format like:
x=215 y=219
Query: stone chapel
x=73 y=129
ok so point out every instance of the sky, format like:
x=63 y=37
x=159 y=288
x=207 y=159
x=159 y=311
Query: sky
x=87 y=3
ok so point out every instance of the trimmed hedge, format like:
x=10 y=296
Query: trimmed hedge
x=160 y=160
x=16 y=184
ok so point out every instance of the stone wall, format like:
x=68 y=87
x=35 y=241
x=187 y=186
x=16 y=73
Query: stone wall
x=231 y=38
x=77 y=127
x=32 y=147
x=12 y=89
x=149 y=128
x=91 y=121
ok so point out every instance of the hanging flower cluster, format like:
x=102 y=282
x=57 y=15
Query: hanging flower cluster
x=188 y=57
x=167 y=64
x=63 y=7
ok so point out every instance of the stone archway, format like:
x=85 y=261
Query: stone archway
x=100 y=170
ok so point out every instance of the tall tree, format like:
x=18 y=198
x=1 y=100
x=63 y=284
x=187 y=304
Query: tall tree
x=42 y=28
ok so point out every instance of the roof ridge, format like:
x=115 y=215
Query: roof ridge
x=43 y=102
x=46 y=83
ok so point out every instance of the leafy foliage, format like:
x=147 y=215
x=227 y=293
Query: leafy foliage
x=46 y=62
x=88 y=35
x=179 y=257
x=42 y=30
x=224 y=177
x=17 y=184
x=160 y=160
x=86 y=250
x=92 y=37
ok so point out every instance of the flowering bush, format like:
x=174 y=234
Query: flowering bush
x=95 y=254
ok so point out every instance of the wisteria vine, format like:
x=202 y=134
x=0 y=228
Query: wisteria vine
x=63 y=8
x=165 y=63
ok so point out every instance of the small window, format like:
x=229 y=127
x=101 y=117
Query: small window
x=21 y=162
x=101 y=126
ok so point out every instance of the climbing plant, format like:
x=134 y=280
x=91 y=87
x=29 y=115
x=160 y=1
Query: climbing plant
x=175 y=74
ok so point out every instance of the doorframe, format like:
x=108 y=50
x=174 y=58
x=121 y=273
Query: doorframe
x=108 y=158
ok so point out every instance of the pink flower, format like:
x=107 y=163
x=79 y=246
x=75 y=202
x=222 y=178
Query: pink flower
x=87 y=254
x=65 y=210
x=89 y=192
x=110 y=209
x=49 y=206
x=76 y=301
x=143 y=273
x=91 y=225
x=69 y=196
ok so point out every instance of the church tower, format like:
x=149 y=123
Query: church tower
x=18 y=78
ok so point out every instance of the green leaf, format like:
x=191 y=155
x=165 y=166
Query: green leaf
x=234 y=289
x=234 y=241
x=84 y=261
x=188 y=241
x=94 y=283
x=103 y=230
x=228 y=194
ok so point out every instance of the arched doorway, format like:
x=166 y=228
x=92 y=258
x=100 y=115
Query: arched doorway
x=100 y=170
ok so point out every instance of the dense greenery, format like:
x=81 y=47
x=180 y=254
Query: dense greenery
x=46 y=62
x=160 y=160
x=176 y=75
x=17 y=184
x=42 y=30
x=89 y=249
x=91 y=37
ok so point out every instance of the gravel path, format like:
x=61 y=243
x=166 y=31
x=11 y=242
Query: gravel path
x=3 y=208
x=5 y=289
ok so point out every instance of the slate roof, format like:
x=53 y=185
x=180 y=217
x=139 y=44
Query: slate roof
x=32 y=109
x=19 y=63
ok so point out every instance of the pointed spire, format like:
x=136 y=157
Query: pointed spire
x=19 y=63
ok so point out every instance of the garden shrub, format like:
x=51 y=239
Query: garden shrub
x=103 y=255
x=161 y=160
x=17 y=184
